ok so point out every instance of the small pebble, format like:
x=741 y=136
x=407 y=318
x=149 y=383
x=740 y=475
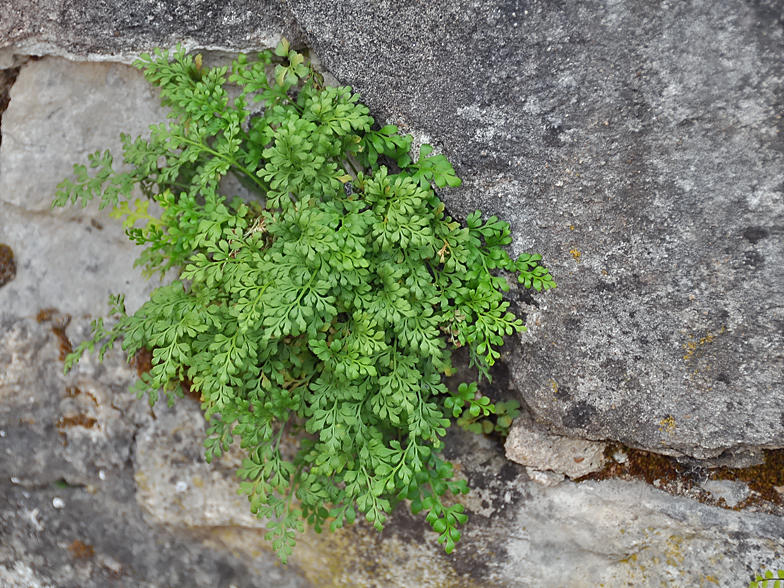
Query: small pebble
x=58 y=503
x=102 y=475
x=14 y=480
x=2 y=433
x=181 y=486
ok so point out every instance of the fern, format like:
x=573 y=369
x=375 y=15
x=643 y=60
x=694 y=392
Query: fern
x=768 y=580
x=322 y=311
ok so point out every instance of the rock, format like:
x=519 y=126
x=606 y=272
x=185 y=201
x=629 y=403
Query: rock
x=69 y=257
x=119 y=31
x=646 y=170
x=118 y=477
x=533 y=446
x=733 y=493
x=67 y=447
x=21 y=576
x=176 y=485
x=621 y=457
x=520 y=532
x=648 y=222
x=546 y=478
x=7 y=264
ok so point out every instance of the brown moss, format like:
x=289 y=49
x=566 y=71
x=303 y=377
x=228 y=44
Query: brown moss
x=7 y=264
x=81 y=550
x=639 y=464
x=762 y=478
x=669 y=475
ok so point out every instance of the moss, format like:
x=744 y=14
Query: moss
x=762 y=478
x=639 y=464
x=7 y=264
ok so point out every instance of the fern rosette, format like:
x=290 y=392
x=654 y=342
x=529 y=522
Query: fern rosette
x=321 y=311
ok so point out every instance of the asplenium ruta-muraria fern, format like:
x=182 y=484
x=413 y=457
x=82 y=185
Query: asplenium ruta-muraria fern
x=315 y=320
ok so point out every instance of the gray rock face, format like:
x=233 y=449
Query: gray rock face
x=96 y=487
x=638 y=147
x=669 y=211
x=69 y=513
x=74 y=254
x=118 y=30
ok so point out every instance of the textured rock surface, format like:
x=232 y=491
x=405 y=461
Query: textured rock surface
x=533 y=446
x=95 y=489
x=69 y=513
x=81 y=252
x=140 y=507
x=638 y=147
x=117 y=30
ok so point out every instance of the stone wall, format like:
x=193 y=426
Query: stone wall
x=636 y=146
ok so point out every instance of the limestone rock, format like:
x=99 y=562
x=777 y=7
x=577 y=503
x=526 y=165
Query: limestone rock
x=118 y=30
x=733 y=493
x=131 y=484
x=634 y=144
x=69 y=515
x=544 y=478
x=637 y=146
x=520 y=532
x=71 y=258
x=533 y=446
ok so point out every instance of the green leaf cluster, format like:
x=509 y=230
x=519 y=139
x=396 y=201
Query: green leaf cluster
x=768 y=580
x=319 y=315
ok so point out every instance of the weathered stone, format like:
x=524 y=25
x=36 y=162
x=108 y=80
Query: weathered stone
x=533 y=446
x=133 y=487
x=520 y=534
x=544 y=478
x=66 y=457
x=536 y=95
x=73 y=256
x=733 y=493
x=637 y=147
x=119 y=31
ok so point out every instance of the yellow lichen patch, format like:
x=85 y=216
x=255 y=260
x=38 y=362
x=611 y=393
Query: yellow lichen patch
x=576 y=254
x=668 y=425
x=700 y=358
x=554 y=386
x=694 y=347
x=674 y=551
